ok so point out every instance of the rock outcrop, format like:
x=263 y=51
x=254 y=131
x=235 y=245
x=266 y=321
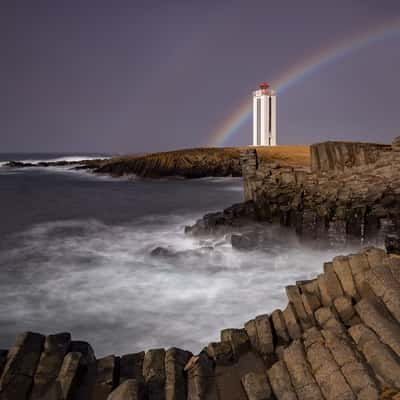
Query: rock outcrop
x=338 y=338
x=339 y=156
x=352 y=193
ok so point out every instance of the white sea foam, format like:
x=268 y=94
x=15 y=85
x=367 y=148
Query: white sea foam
x=76 y=158
x=101 y=283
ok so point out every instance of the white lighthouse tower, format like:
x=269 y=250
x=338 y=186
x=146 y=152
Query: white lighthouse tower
x=264 y=116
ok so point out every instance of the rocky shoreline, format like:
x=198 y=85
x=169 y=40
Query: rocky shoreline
x=338 y=338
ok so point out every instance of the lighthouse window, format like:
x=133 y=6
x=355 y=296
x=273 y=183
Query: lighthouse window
x=270 y=113
x=258 y=122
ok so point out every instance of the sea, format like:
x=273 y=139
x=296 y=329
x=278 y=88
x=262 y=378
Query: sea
x=76 y=256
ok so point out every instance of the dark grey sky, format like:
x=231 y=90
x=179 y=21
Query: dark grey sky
x=131 y=76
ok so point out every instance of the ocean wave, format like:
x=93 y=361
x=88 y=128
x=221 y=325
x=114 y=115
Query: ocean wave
x=76 y=158
x=103 y=283
x=70 y=158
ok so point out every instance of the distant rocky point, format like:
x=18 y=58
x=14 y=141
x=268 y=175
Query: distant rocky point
x=187 y=163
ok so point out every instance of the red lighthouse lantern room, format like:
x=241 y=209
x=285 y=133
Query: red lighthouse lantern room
x=264 y=86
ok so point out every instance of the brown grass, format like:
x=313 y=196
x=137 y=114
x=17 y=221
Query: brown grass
x=200 y=162
x=286 y=155
x=298 y=155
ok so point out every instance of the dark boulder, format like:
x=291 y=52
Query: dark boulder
x=161 y=252
x=19 y=164
x=236 y=215
x=3 y=359
x=392 y=244
x=245 y=241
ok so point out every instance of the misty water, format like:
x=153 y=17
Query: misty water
x=75 y=256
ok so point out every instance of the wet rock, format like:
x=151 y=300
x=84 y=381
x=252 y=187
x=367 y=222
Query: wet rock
x=334 y=288
x=392 y=244
x=154 y=374
x=3 y=360
x=326 y=371
x=359 y=267
x=280 y=382
x=85 y=349
x=311 y=303
x=220 y=352
x=131 y=367
x=238 y=339
x=128 y=390
x=23 y=358
x=292 y=325
x=162 y=252
x=175 y=379
x=251 y=330
x=51 y=359
x=236 y=215
x=375 y=256
x=379 y=356
x=106 y=379
x=346 y=311
x=294 y=296
x=326 y=299
x=393 y=263
x=328 y=321
x=88 y=362
x=256 y=386
x=69 y=375
x=228 y=377
x=201 y=379
x=19 y=164
x=265 y=338
x=352 y=365
x=301 y=377
x=278 y=323
x=379 y=320
x=342 y=269
x=385 y=286
x=246 y=241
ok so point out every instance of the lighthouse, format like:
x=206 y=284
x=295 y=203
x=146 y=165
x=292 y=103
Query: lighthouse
x=264 y=116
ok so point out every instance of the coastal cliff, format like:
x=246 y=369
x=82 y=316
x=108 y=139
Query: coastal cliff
x=355 y=197
x=337 y=338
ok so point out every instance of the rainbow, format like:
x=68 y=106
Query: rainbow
x=302 y=70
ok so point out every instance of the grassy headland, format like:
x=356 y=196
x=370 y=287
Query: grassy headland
x=198 y=162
